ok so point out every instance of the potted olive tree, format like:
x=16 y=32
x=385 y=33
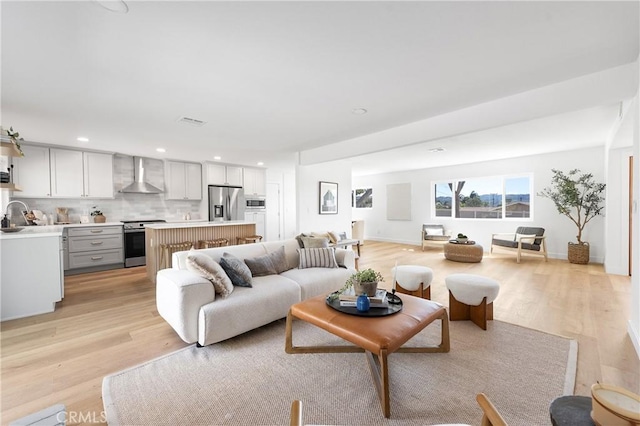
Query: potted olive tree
x=577 y=196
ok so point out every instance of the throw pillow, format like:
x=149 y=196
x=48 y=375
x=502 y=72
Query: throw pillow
x=317 y=258
x=279 y=260
x=202 y=264
x=269 y=264
x=313 y=242
x=526 y=238
x=236 y=269
x=333 y=236
x=299 y=239
x=343 y=236
x=434 y=231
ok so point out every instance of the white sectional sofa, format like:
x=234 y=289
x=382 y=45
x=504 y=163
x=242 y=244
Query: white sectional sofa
x=187 y=300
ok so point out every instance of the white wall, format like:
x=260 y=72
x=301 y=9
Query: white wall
x=308 y=178
x=560 y=230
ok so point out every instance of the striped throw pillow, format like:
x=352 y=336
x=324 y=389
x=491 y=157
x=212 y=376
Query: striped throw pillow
x=317 y=258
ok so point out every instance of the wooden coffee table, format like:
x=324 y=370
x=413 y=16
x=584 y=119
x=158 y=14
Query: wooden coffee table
x=379 y=336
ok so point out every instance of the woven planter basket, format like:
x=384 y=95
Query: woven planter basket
x=578 y=253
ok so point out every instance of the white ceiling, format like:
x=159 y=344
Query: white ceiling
x=274 y=78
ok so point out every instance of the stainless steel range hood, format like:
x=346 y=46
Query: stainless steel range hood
x=140 y=185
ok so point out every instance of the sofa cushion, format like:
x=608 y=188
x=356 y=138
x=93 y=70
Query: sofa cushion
x=236 y=269
x=317 y=258
x=333 y=236
x=210 y=269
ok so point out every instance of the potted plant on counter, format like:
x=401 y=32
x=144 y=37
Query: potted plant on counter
x=577 y=196
x=98 y=217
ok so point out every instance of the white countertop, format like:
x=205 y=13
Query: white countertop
x=49 y=230
x=195 y=224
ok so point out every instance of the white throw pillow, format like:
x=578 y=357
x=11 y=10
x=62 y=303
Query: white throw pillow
x=526 y=238
x=434 y=231
x=317 y=258
x=202 y=264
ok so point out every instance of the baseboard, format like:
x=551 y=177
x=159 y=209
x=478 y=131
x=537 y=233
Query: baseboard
x=635 y=337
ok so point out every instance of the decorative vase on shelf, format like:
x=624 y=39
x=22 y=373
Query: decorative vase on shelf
x=369 y=288
x=363 y=303
x=99 y=218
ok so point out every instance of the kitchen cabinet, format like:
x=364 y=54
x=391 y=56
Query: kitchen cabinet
x=94 y=248
x=260 y=219
x=31 y=172
x=63 y=173
x=255 y=182
x=184 y=181
x=31 y=275
x=219 y=174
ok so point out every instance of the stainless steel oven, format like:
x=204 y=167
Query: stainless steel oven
x=134 y=243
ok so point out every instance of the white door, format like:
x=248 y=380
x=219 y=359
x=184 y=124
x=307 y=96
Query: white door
x=273 y=225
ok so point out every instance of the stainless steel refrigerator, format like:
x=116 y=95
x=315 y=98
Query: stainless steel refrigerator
x=226 y=203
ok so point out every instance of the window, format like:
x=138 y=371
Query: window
x=484 y=198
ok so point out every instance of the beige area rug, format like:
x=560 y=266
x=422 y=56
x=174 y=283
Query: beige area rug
x=250 y=380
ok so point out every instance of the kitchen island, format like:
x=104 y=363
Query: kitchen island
x=31 y=271
x=157 y=234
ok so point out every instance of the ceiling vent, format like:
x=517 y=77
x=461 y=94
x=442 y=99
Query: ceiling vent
x=191 y=121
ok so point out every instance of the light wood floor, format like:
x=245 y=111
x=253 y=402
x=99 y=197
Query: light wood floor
x=108 y=322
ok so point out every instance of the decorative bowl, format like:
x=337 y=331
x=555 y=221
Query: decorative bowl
x=15 y=229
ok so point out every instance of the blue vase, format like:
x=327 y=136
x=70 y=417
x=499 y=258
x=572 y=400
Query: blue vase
x=362 y=303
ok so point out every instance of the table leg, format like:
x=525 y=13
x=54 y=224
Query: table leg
x=290 y=348
x=379 y=367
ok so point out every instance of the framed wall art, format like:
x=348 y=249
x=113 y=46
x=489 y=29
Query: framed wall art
x=328 y=198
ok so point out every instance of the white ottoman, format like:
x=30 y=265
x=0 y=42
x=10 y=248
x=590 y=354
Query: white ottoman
x=413 y=279
x=471 y=297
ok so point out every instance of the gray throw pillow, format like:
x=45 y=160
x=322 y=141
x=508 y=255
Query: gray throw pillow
x=313 y=242
x=236 y=269
x=269 y=264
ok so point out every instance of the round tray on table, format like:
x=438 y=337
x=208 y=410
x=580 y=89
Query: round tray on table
x=372 y=312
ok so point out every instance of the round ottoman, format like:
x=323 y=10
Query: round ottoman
x=471 y=297
x=413 y=279
x=571 y=410
x=466 y=253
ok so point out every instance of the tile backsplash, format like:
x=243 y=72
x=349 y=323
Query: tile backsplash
x=124 y=205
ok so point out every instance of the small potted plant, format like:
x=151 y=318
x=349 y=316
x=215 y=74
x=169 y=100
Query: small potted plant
x=462 y=238
x=98 y=217
x=365 y=281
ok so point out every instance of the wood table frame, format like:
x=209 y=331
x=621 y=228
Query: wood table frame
x=377 y=356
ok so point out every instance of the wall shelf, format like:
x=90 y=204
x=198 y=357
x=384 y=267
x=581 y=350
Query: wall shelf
x=9 y=149
x=10 y=186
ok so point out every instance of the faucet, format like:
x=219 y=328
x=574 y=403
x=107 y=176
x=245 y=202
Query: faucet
x=26 y=209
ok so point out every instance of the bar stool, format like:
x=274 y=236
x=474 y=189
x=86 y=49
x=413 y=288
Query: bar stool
x=250 y=239
x=218 y=242
x=166 y=250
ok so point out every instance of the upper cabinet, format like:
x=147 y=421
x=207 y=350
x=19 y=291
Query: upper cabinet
x=31 y=172
x=255 y=182
x=218 y=174
x=64 y=173
x=184 y=181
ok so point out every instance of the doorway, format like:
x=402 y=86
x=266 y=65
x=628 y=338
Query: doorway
x=274 y=201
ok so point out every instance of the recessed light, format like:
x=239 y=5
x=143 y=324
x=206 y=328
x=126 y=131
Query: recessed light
x=437 y=150
x=161 y=150
x=217 y=157
x=82 y=139
x=358 y=111
x=260 y=163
